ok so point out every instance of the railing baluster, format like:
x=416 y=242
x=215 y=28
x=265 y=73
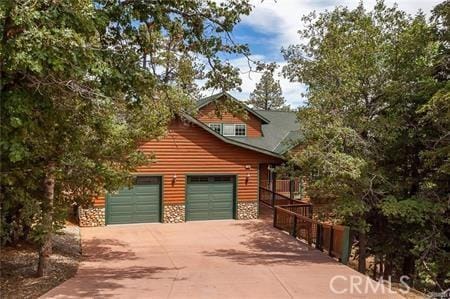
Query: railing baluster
x=294 y=227
x=330 y=248
x=275 y=217
x=319 y=240
x=309 y=233
x=293 y=218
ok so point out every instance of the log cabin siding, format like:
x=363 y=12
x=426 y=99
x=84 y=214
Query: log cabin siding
x=264 y=172
x=99 y=201
x=189 y=149
x=207 y=114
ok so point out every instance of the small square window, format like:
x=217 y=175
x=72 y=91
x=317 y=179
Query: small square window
x=240 y=130
x=216 y=127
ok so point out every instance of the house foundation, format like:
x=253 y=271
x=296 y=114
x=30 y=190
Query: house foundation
x=247 y=210
x=174 y=213
x=91 y=216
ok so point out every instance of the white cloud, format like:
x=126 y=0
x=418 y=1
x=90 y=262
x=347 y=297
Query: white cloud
x=282 y=19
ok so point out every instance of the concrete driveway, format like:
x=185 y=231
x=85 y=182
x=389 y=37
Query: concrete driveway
x=213 y=259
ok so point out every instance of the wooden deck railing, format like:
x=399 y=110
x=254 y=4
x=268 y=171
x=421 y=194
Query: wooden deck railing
x=274 y=199
x=335 y=239
x=282 y=186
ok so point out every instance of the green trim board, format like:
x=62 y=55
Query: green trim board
x=257 y=191
x=236 y=199
x=345 y=246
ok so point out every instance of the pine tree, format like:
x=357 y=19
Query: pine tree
x=375 y=133
x=78 y=96
x=267 y=94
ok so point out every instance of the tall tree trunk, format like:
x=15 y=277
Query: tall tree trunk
x=45 y=249
x=376 y=262
x=362 y=252
x=409 y=267
x=387 y=272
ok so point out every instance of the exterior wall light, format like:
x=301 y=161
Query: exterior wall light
x=247 y=178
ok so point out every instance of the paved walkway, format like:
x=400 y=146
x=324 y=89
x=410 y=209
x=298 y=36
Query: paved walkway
x=211 y=259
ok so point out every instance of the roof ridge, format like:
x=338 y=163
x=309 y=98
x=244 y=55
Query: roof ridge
x=282 y=139
x=275 y=111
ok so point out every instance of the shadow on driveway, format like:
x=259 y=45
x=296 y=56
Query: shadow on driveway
x=102 y=283
x=266 y=245
x=97 y=250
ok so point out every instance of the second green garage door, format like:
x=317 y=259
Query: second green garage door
x=140 y=204
x=210 y=197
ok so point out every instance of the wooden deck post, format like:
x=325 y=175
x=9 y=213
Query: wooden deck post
x=294 y=228
x=291 y=188
x=319 y=236
x=330 y=248
x=274 y=187
x=275 y=215
x=345 y=246
x=308 y=233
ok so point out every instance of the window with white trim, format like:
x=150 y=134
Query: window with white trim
x=228 y=129
x=240 y=130
x=216 y=127
x=234 y=130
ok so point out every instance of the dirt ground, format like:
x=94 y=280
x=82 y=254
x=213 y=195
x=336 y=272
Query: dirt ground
x=18 y=266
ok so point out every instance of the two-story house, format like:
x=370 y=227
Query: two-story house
x=206 y=168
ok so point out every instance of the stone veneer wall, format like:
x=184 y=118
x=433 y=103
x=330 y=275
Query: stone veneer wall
x=91 y=216
x=247 y=210
x=174 y=213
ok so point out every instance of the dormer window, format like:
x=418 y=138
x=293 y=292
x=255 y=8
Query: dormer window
x=229 y=129
x=240 y=130
x=216 y=127
x=234 y=130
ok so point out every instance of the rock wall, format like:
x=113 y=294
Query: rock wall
x=91 y=216
x=174 y=213
x=247 y=210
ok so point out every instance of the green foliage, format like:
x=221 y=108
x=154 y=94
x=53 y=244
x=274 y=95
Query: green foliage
x=267 y=94
x=376 y=130
x=84 y=83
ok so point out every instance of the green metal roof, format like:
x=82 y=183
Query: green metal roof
x=239 y=143
x=280 y=129
x=279 y=135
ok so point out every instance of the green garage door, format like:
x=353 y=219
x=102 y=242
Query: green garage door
x=210 y=197
x=140 y=204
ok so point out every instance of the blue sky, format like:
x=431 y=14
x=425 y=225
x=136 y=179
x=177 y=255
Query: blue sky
x=274 y=24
